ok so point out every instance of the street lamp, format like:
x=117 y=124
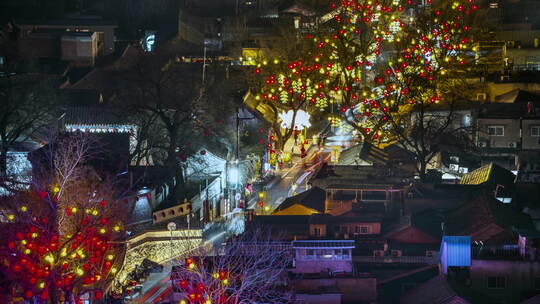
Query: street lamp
x=171 y=226
x=234 y=175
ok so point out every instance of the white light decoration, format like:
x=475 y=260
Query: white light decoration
x=301 y=120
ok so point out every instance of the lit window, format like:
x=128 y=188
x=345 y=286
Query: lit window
x=494 y=5
x=535 y=131
x=496 y=282
x=496 y=130
x=466 y=120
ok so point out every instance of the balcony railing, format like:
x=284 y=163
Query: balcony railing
x=402 y=259
x=495 y=253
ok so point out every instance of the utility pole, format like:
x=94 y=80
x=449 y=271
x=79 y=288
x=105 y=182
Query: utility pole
x=204 y=64
x=237 y=134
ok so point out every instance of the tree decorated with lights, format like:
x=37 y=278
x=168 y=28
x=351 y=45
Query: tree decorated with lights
x=426 y=81
x=375 y=64
x=58 y=234
x=249 y=269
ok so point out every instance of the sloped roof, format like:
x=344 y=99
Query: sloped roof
x=284 y=226
x=70 y=22
x=435 y=291
x=533 y=300
x=503 y=110
x=94 y=116
x=314 y=198
x=299 y=9
x=490 y=173
x=105 y=79
x=329 y=219
x=518 y=96
x=364 y=151
x=428 y=221
x=481 y=210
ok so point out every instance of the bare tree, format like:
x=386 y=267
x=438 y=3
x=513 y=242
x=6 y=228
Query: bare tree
x=175 y=112
x=27 y=104
x=248 y=269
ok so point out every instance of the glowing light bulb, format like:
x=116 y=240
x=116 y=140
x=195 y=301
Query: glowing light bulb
x=49 y=258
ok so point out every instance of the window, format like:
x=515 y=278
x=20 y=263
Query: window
x=496 y=130
x=343 y=229
x=362 y=229
x=466 y=122
x=326 y=253
x=535 y=131
x=317 y=231
x=496 y=282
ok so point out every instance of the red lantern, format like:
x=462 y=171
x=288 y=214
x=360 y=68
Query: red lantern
x=98 y=294
x=28 y=294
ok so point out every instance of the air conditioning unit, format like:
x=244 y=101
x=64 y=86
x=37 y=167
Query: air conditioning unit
x=396 y=253
x=512 y=144
x=378 y=253
x=430 y=253
x=482 y=144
